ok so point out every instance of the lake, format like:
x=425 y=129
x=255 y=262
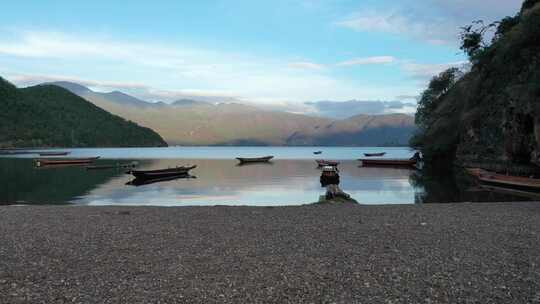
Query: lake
x=291 y=179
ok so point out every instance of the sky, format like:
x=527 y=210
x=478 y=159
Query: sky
x=302 y=56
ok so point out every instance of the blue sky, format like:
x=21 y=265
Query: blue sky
x=278 y=53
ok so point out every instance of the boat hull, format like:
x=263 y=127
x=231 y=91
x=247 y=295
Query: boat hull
x=163 y=173
x=254 y=159
x=81 y=161
x=53 y=153
x=374 y=154
x=388 y=162
x=515 y=182
x=322 y=162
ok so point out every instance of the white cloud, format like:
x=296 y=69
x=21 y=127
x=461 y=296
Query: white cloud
x=306 y=65
x=170 y=67
x=29 y=79
x=394 y=22
x=407 y=97
x=367 y=60
x=434 y=21
x=163 y=72
x=138 y=89
x=427 y=71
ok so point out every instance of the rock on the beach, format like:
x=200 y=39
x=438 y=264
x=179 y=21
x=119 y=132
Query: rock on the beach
x=334 y=195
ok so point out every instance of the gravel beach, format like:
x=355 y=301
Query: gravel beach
x=451 y=253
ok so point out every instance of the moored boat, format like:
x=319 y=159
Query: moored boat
x=388 y=162
x=317 y=152
x=161 y=173
x=64 y=161
x=254 y=159
x=329 y=176
x=374 y=154
x=324 y=162
x=493 y=178
x=15 y=152
x=412 y=162
x=60 y=153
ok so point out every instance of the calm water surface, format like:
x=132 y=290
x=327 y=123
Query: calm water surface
x=292 y=179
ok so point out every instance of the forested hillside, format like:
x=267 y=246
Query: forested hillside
x=490 y=115
x=50 y=116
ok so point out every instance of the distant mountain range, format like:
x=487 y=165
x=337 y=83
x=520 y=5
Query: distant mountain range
x=192 y=122
x=50 y=116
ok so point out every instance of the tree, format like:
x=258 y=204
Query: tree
x=505 y=25
x=430 y=99
x=472 y=38
x=530 y=3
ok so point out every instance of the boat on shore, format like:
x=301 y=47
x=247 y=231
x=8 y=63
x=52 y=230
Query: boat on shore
x=60 y=153
x=374 y=154
x=264 y=159
x=492 y=178
x=324 y=162
x=65 y=161
x=161 y=173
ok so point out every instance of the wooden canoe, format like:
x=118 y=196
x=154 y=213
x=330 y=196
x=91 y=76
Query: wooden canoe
x=53 y=153
x=65 y=161
x=374 y=154
x=254 y=159
x=324 y=162
x=15 y=152
x=505 y=180
x=388 y=162
x=161 y=173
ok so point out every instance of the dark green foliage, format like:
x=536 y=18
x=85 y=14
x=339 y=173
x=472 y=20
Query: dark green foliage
x=530 y=3
x=431 y=97
x=472 y=40
x=491 y=114
x=46 y=116
x=505 y=25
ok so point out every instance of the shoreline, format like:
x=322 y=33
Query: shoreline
x=433 y=253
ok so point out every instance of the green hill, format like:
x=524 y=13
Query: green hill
x=50 y=116
x=491 y=115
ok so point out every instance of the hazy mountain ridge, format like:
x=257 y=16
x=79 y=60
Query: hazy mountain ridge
x=192 y=122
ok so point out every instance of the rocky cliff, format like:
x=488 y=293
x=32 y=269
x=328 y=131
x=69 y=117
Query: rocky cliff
x=492 y=114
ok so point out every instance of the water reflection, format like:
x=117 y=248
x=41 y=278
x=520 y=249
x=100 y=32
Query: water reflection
x=147 y=181
x=455 y=185
x=285 y=182
x=222 y=182
x=22 y=183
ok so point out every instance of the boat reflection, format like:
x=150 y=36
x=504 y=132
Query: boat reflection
x=147 y=181
x=246 y=164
